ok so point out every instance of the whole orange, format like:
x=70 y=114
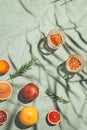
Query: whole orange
x=28 y=116
x=4 y=66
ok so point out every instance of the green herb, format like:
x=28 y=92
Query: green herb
x=54 y=97
x=23 y=69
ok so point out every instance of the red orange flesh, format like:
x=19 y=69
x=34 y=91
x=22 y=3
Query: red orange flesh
x=74 y=63
x=3 y=116
x=56 y=39
x=54 y=117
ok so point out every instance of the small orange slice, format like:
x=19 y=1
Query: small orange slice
x=75 y=63
x=3 y=116
x=5 y=90
x=54 y=117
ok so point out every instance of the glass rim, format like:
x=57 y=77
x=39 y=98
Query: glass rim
x=81 y=59
x=55 y=31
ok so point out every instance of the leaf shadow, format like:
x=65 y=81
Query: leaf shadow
x=12 y=63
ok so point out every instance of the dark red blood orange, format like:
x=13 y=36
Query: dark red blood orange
x=54 y=117
x=3 y=116
x=30 y=92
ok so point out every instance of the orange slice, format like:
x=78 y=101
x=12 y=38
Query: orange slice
x=75 y=63
x=56 y=39
x=3 y=116
x=5 y=90
x=54 y=117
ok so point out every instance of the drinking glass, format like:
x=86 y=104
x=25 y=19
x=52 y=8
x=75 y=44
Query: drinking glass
x=74 y=64
x=55 y=38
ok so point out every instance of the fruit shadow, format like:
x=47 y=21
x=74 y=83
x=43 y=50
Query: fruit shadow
x=43 y=47
x=21 y=98
x=2 y=100
x=63 y=72
x=48 y=121
x=18 y=123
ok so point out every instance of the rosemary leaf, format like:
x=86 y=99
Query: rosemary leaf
x=54 y=97
x=27 y=66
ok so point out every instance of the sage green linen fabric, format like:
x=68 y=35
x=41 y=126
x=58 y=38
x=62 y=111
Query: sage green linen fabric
x=23 y=26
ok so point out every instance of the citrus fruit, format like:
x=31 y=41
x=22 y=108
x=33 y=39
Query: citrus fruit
x=55 y=38
x=30 y=91
x=4 y=66
x=28 y=116
x=5 y=90
x=75 y=63
x=3 y=116
x=54 y=117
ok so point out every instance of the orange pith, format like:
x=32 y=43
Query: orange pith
x=5 y=90
x=4 y=66
x=74 y=63
x=56 y=39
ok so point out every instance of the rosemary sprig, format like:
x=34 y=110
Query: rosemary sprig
x=23 y=68
x=54 y=97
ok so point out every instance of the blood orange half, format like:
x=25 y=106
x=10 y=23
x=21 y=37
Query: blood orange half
x=54 y=117
x=5 y=90
x=3 y=116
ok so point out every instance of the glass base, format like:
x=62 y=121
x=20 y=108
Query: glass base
x=61 y=70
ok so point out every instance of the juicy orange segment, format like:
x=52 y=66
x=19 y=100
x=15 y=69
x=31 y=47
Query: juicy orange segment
x=74 y=63
x=56 y=39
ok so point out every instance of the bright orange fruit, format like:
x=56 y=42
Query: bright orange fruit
x=28 y=116
x=5 y=90
x=4 y=66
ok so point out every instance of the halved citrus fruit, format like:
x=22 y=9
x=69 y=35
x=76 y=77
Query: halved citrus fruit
x=4 y=66
x=3 y=116
x=5 y=90
x=54 y=117
x=55 y=38
x=75 y=63
x=28 y=116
